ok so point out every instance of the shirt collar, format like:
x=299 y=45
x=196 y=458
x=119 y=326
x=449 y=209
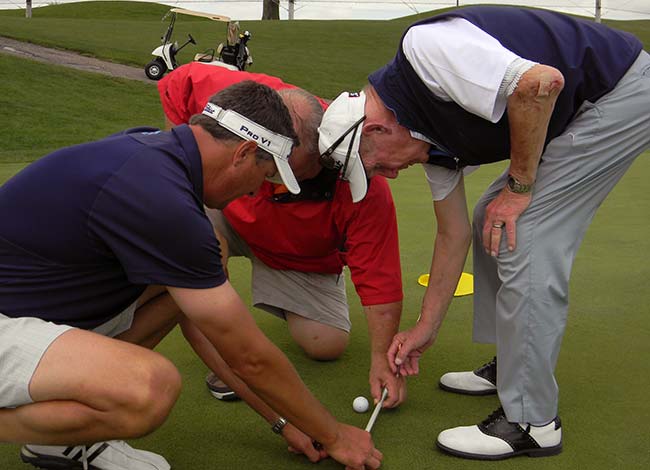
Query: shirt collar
x=186 y=140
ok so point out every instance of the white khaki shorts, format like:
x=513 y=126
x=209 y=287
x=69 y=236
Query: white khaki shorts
x=24 y=341
x=316 y=296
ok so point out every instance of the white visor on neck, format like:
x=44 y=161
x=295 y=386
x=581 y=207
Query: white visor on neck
x=276 y=144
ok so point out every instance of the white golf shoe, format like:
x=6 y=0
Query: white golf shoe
x=482 y=381
x=110 y=455
x=496 y=439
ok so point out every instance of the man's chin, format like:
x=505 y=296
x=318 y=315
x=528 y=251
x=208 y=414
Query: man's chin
x=218 y=205
x=308 y=175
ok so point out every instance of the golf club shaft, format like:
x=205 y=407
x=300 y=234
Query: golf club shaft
x=375 y=412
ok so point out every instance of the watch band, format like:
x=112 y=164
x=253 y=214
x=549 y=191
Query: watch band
x=517 y=186
x=279 y=425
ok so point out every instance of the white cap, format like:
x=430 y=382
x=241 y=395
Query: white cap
x=345 y=116
x=276 y=144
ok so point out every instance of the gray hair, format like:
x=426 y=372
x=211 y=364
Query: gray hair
x=306 y=122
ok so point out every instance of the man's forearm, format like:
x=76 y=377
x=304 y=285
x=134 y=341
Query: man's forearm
x=274 y=379
x=383 y=322
x=223 y=318
x=210 y=356
x=449 y=257
x=529 y=111
x=453 y=239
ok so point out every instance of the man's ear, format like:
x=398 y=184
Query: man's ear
x=370 y=128
x=244 y=151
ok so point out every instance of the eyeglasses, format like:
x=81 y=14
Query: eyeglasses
x=331 y=163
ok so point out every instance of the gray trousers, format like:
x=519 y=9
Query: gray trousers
x=521 y=298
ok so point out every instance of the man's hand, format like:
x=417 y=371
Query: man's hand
x=354 y=448
x=300 y=443
x=530 y=107
x=381 y=376
x=501 y=215
x=407 y=347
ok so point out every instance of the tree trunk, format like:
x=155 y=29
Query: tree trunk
x=271 y=10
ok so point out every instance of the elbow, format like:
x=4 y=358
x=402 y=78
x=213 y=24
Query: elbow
x=551 y=82
x=250 y=368
x=538 y=83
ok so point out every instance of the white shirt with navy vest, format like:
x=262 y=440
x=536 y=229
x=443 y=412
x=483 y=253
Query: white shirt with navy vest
x=459 y=69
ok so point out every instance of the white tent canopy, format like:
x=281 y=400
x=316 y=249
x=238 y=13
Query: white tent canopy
x=380 y=9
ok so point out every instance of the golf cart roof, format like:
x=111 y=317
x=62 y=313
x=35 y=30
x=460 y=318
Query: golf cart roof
x=210 y=16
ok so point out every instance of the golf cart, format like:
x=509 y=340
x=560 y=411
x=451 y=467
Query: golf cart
x=233 y=55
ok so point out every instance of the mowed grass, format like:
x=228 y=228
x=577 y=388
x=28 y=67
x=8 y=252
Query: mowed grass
x=45 y=107
x=603 y=368
x=324 y=57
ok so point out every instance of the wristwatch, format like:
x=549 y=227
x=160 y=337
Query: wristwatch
x=518 y=187
x=279 y=425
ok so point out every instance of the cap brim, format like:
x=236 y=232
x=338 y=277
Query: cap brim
x=344 y=117
x=356 y=176
x=288 y=178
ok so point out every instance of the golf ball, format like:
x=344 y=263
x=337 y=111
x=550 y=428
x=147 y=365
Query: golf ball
x=360 y=404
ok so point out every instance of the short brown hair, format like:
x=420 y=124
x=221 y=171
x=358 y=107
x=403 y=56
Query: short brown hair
x=257 y=102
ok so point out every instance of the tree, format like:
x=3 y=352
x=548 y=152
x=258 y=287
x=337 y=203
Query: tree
x=271 y=10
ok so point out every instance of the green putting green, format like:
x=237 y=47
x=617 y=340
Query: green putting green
x=603 y=370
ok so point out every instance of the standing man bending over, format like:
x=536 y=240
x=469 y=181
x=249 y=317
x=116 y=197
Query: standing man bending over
x=567 y=101
x=298 y=244
x=101 y=244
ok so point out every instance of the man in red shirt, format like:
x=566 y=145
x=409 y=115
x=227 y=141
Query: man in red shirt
x=298 y=245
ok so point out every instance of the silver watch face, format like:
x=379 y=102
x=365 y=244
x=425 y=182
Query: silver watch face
x=517 y=187
x=279 y=425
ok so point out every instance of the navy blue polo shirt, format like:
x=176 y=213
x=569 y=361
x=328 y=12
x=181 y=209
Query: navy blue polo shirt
x=85 y=229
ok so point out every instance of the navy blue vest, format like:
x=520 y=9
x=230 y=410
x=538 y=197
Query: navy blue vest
x=592 y=58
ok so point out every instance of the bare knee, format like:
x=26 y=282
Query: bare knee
x=319 y=341
x=320 y=350
x=149 y=400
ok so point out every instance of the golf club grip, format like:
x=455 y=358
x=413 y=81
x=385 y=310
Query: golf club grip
x=375 y=412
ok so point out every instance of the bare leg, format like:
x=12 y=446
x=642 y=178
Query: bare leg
x=155 y=316
x=319 y=341
x=90 y=388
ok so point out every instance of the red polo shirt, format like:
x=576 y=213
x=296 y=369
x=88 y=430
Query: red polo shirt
x=309 y=236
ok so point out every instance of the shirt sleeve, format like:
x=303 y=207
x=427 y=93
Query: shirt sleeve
x=372 y=246
x=155 y=229
x=442 y=181
x=175 y=90
x=185 y=91
x=460 y=62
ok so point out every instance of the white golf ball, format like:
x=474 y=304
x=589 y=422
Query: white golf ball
x=360 y=404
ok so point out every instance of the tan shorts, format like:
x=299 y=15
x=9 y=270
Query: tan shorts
x=24 y=341
x=318 y=297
